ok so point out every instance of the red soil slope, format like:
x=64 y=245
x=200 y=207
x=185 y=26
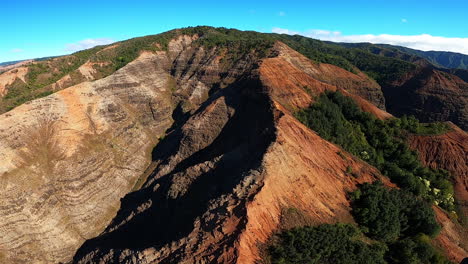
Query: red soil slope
x=449 y=152
x=305 y=172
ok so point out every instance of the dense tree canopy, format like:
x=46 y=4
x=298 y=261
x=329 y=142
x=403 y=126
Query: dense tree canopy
x=324 y=244
x=381 y=143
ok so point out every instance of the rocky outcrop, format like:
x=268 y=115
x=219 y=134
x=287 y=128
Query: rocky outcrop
x=229 y=160
x=68 y=158
x=9 y=77
x=430 y=95
x=294 y=81
x=222 y=180
x=449 y=152
x=358 y=84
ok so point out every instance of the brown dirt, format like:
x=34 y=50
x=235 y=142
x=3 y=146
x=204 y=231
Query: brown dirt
x=9 y=77
x=430 y=95
x=222 y=177
x=448 y=152
x=289 y=85
x=294 y=88
x=358 y=84
x=453 y=239
x=305 y=172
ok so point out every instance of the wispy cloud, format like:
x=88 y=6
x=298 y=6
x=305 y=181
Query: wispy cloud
x=87 y=43
x=421 y=42
x=17 y=50
x=281 y=13
x=404 y=20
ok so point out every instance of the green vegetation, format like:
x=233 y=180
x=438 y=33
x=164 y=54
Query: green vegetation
x=381 y=143
x=233 y=44
x=382 y=69
x=450 y=60
x=399 y=223
x=400 y=219
x=323 y=244
x=414 y=250
x=390 y=214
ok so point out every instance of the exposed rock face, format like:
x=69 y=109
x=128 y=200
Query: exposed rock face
x=7 y=78
x=232 y=159
x=358 y=84
x=449 y=152
x=68 y=158
x=452 y=238
x=223 y=178
x=300 y=80
x=430 y=95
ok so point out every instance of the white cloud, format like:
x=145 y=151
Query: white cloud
x=282 y=13
x=404 y=20
x=17 y=50
x=87 y=43
x=421 y=42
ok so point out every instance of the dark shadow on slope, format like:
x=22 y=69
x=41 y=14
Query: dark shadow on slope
x=426 y=106
x=242 y=142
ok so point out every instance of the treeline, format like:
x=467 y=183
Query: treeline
x=325 y=244
x=393 y=227
x=338 y=119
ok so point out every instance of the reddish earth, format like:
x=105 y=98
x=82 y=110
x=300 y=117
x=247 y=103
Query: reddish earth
x=452 y=238
x=293 y=85
x=291 y=167
x=430 y=95
x=304 y=172
x=230 y=168
x=358 y=84
x=449 y=152
x=246 y=138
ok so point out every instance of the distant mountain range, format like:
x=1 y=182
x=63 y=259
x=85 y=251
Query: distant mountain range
x=7 y=63
x=209 y=145
x=441 y=59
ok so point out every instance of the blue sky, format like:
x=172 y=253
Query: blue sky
x=45 y=28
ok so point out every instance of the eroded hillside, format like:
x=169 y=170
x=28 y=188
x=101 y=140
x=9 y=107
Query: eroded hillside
x=183 y=150
x=448 y=152
x=71 y=156
x=226 y=175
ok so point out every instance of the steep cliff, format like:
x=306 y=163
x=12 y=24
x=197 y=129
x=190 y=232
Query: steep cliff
x=224 y=178
x=68 y=158
x=430 y=95
x=449 y=152
x=187 y=152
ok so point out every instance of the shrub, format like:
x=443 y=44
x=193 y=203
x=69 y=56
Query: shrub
x=390 y=214
x=381 y=143
x=339 y=243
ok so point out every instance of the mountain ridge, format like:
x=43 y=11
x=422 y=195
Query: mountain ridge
x=101 y=61
x=201 y=121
